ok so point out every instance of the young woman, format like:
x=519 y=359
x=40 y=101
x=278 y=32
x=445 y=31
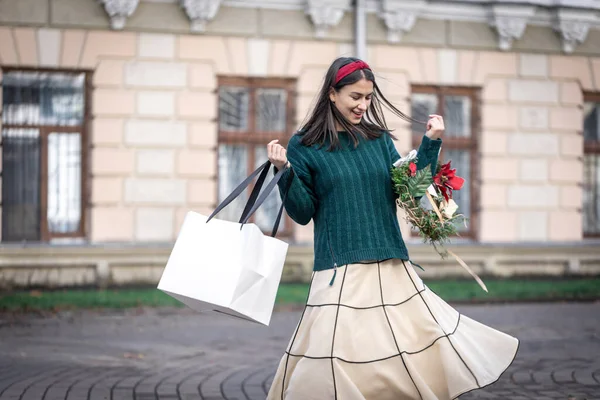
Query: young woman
x=370 y=329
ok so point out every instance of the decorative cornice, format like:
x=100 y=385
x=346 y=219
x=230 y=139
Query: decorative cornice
x=571 y=19
x=200 y=12
x=118 y=11
x=510 y=23
x=572 y=26
x=325 y=14
x=400 y=16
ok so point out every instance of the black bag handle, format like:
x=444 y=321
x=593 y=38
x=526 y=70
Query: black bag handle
x=287 y=190
x=255 y=201
x=266 y=193
x=240 y=188
x=255 y=190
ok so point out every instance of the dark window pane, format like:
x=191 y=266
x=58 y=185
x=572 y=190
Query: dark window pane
x=40 y=98
x=20 y=185
x=233 y=169
x=271 y=110
x=457 y=116
x=64 y=182
x=591 y=194
x=591 y=124
x=267 y=213
x=461 y=161
x=422 y=104
x=233 y=109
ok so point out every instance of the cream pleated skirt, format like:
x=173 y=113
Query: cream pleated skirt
x=379 y=333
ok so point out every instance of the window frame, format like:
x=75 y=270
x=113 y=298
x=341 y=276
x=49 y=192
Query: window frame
x=589 y=147
x=44 y=131
x=470 y=144
x=252 y=138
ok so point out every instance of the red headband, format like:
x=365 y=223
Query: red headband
x=350 y=68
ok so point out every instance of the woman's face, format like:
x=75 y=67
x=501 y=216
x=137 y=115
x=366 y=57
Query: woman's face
x=353 y=100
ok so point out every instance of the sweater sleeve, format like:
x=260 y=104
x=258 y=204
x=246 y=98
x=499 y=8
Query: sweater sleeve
x=428 y=153
x=301 y=202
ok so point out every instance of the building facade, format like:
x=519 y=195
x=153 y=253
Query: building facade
x=119 y=116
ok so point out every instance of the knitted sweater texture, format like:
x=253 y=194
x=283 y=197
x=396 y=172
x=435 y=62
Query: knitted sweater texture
x=348 y=194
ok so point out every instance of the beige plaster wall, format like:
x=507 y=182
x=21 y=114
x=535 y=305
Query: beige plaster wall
x=154 y=133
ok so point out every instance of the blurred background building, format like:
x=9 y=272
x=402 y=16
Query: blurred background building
x=119 y=116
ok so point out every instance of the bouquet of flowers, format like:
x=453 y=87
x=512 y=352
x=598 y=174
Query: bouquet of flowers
x=438 y=224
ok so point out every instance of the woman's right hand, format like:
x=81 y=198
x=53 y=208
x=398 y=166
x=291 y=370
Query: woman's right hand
x=277 y=154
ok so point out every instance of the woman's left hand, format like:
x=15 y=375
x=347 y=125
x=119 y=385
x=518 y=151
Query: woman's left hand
x=435 y=127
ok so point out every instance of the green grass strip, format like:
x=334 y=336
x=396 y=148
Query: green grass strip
x=295 y=294
x=515 y=290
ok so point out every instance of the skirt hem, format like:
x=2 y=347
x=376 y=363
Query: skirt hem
x=495 y=380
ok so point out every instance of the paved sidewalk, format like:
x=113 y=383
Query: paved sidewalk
x=178 y=354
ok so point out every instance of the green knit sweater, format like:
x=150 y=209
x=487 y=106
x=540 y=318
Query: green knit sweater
x=348 y=194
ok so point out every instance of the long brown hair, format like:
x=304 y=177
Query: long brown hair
x=320 y=128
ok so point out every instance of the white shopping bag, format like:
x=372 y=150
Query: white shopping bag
x=228 y=267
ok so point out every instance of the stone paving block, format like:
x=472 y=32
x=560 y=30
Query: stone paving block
x=171 y=382
x=562 y=376
x=254 y=392
x=191 y=396
x=31 y=396
x=522 y=377
x=585 y=377
x=128 y=382
x=553 y=393
x=56 y=392
x=144 y=388
x=100 y=394
x=535 y=388
x=583 y=396
x=77 y=394
x=502 y=393
x=232 y=385
x=145 y=396
x=167 y=388
x=480 y=395
x=268 y=382
x=122 y=393
x=189 y=387
x=211 y=387
x=13 y=391
x=542 y=377
x=34 y=392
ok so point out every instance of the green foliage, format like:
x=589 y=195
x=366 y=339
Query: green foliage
x=417 y=186
x=426 y=222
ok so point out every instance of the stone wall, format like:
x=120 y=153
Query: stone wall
x=126 y=265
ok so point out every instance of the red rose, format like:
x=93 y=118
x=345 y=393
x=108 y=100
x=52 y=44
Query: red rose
x=447 y=181
x=413 y=168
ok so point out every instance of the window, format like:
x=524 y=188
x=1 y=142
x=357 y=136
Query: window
x=252 y=112
x=44 y=120
x=591 y=165
x=459 y=107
